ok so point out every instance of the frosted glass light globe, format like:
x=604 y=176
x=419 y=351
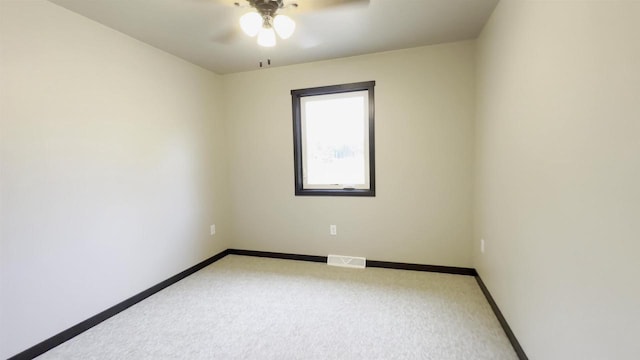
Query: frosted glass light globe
x=267 y=37
x=284 y=26
x=251 y=23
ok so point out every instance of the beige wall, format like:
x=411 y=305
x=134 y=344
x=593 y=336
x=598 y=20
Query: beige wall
x=116 y=157
x=558 y=175
x=113 y=167
x=424 y=112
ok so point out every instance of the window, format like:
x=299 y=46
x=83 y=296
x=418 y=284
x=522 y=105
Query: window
x=334 y=140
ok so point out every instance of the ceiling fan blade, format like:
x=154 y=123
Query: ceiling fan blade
x=313 y=5
x=226 y=37
x=223 y=27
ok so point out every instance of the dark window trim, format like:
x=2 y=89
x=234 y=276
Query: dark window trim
x=297 y=138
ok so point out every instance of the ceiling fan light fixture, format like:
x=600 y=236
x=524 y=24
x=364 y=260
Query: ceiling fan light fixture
x=284 y=26
x=251 y=23
x=267 y=37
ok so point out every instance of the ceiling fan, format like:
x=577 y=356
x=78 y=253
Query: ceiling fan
x=265 y=22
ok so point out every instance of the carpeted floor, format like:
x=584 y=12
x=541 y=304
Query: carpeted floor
x=256 y=308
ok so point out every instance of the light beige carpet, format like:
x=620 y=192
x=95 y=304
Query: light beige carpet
x=255 y=308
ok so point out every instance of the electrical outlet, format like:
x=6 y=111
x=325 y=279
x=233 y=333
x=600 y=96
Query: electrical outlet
x=213 y=229
x=482 y=246
x=333 y=230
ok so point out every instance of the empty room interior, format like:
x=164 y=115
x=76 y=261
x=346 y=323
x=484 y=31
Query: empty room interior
x=158 y=195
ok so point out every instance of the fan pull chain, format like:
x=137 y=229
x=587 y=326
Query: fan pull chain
x=268 y=63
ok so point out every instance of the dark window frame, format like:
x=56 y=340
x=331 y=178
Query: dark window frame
x=296 y=95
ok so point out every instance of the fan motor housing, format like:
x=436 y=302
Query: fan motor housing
x=266 y=7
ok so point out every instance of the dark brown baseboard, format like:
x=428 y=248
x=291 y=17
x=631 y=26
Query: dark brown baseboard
x=370 y=263
x=503 y=322
x=277 y=255
x=420 y=267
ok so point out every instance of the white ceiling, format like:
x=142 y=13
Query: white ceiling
x=206 y=32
